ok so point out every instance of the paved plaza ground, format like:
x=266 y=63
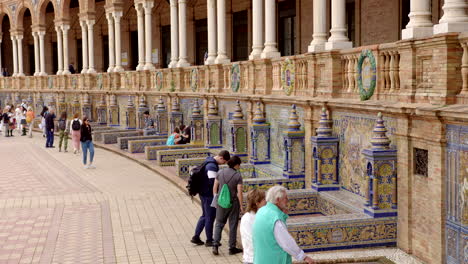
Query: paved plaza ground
x=52 y=210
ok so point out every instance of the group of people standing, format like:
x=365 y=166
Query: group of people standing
x=20 y=119
x=79 y=130
x=265 y=237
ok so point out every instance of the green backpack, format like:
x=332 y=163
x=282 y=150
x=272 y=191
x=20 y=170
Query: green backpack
x=224 y=197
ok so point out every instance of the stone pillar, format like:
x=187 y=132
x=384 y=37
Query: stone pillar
x=84 y=44
x=65 y=29
x=37 y=69
x=148 y=41
x=91 y=46
x=211 y=4
x=1 y=38
x=110 y=24
x=183 y=34
x=320 y=26
x=270 y=50
x=338 y=38
x=19 y=39
x=42 y=52
x=222 y=56
x=455 y=18
x=59 y=50
x=141 y=37
x=15 y=56
x=174 y=35
x=420 y=24
x=257 y=29
x=118 y=52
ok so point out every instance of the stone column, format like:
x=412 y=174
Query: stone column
x=211 y=5
x=110 y=24
x=141 y=37
x=19 y=39
x=148 y=34
x=15 y=55
x=118 y=51
x=1 y=69
x=91 y=46
x=84 y=44
x=174 y=35
x=338 y=38
x=37 y=68
x=42 y=52
x=183 y=34
x=320 y=26
x=59 y=50
x=455 y=18
x=420 y=24
x=257 y=29
x=222 y=56
x=65 y=29
x=270 y=50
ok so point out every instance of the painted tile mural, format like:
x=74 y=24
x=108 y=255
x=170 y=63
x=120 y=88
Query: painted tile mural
x=186 y=108
x=457 y=194
x=224 y=108
x=355 y=132
x=278 y=117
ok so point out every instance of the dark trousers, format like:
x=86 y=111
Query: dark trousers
x=222 y=216
x=207 y=219
x=50 y=138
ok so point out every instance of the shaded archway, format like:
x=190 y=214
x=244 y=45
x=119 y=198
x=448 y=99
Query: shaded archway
x=6 y=46
x=25 y=21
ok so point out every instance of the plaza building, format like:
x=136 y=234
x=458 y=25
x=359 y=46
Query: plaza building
x=358 y=107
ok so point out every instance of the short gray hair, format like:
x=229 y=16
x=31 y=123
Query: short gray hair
x=274 y=193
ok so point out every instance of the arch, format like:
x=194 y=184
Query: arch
x=20 y=15
x=5 y=11
x=42 y=11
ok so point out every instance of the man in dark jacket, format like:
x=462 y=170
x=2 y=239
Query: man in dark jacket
x=49 y=124
x=207 y=218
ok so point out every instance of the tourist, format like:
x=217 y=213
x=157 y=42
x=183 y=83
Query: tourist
x=149 y=125
x=255 y=201
x=30 y=120
x=62 y=128
x=75 y=131
x=87 y=143
x=271 y=240
x=233 y=180
x=44 y=112
x=175 y=136
x=71 y=68
x=50 y=128
x=12 y=124
x=206 y=196
x=23 y=121
x=6 y=121
x=185 y=135
x=19 y=116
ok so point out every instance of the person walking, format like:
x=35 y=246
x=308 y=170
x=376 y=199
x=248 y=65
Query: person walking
x=271 y=240
x=207 y=218
x=75 y=131
x=30 y=120
x=232 y=178
x=62 y=128
x=255 y=201
x=50 y=128
x=6 y=122
x=87 y=144
x=19 y=116
x=44 y=112
x=23 y=121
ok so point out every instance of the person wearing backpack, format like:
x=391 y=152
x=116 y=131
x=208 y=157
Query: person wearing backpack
x=205 y=183
x=228 y=183
x=75 y=131
x=63 y=132
x=50 y=128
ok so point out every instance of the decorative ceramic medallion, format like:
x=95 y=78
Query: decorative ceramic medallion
x=287 y=76
x=367 y=74
x=158 y=80
x=172 y=86
x=235 y=77
x=99 y=81
x=50 y=82
x=74 y=82
x=194 y=79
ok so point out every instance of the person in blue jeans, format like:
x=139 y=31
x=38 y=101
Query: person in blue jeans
x=87 y=144
x=208 y=216
x=49 y=128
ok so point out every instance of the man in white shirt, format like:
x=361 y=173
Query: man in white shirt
x=276 y=248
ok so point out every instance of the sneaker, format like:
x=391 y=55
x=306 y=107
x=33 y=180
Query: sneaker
x=74 y=151
x=233 y=251
x=91 y=166
x=86 y=166
x=65 y=151
x=197 y=241
x=209 y=243
x=52 y=147
x=215 y=250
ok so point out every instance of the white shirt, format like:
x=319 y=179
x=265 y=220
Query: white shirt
x=212 y=174
x=246 y=225
x=287 y=242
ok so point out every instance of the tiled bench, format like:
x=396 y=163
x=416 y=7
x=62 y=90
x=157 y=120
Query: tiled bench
x=122 y=142
x=138 y=146
x=111 y=138
x=183 y=167
x=151 y=151
x=97 y=135
x=168 y=157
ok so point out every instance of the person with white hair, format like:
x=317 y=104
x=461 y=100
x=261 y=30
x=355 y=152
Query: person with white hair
x=272 y=242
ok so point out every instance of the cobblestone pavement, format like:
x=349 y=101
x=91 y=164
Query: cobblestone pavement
x=52 y=210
